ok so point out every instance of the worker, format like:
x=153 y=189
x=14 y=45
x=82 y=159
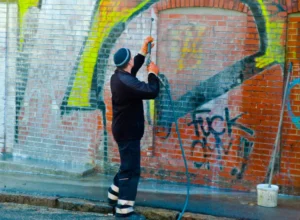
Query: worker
x=128 y=93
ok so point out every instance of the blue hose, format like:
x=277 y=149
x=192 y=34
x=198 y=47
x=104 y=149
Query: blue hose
x=182 y=151
x=179 y=137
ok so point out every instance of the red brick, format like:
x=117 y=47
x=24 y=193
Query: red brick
x=294 y=19
x=241 y=7
x=187 y=3
x=231 y=4
x=216 y=3
x=294 y=43
x=221 y=3
x=214 y=17
x=289 y=5
x=173 y=3
x=194 y=16
x=183 y=3
x=246 y=9
x=159 y=6
x=192 y=3
x=235 y=5
x=177 y=4
x=169 y=4
x=295 y=6
x=292 y=25
x=222 y=23
x=176 y=16
x=164 y=5
x=201 y=3
x=252 y=30
x=226 y=4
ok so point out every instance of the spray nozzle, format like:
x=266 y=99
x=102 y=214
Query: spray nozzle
x=149 y=46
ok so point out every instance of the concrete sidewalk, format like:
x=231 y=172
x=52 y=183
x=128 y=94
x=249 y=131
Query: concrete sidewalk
x=12 y=211
x=154 y=194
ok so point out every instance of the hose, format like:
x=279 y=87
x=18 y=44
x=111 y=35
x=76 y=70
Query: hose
x=182 y=152
x=179 y=215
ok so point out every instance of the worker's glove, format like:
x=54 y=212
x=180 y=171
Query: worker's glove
x=152 y=68
x=144 y=49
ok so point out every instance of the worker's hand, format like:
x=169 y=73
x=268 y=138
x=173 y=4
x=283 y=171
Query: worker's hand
x=152 y=68
x=144 y=49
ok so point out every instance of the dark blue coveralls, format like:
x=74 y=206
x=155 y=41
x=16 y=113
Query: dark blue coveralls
x=128 y=94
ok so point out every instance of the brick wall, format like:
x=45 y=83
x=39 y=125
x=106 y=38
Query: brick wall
x=2 y=71
x=289 y=160
x=225 y=63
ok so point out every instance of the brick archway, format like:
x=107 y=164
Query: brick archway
x=292 y=6
x=235 y=5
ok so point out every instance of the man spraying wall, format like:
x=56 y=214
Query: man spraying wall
x=128 y=94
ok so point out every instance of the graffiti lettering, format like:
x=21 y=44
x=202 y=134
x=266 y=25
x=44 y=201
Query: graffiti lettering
x=294 y=118
x=199 y=126
x=245 y=150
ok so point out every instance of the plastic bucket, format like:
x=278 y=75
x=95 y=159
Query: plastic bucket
x=267 y=196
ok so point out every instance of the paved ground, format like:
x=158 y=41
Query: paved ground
x=203 y=200
x=11 y=211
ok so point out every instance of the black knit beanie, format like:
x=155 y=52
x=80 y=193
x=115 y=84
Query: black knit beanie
x=122 y=57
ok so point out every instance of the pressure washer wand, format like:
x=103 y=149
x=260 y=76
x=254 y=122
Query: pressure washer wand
x=149 y=46
x=149 y=55
x=180 y=215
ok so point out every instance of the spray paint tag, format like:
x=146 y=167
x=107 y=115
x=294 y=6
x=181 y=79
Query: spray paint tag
x=295 y=119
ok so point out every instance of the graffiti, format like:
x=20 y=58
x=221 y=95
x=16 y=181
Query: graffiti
x=235 y=74
x=295 y=119
x=275 y=50
x=270 y=53
x=86 y=84
x=85 y=87
x=107 y=24
x=200 y=123
x=80 y=105
x=279 y=7
x=24 y=6
x=245 y=150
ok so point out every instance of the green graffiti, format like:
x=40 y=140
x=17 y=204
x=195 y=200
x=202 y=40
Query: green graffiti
x=109 y=15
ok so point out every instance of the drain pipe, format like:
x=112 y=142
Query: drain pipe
x=6 y=75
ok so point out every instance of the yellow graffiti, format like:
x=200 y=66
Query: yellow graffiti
x=191 y=49
x=274 y=51
x=152 y=109
x=24 y=6
x=109 y=14
x=8 y=1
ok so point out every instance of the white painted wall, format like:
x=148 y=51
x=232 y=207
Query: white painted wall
x=7 y=74
x=2 y=71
